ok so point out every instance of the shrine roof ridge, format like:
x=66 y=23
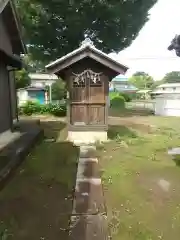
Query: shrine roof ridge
x=85 y=46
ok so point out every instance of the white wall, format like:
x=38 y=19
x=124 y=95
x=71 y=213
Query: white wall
x=41 y=83
x=22 y=96
x=168 y=88
x=168 y=105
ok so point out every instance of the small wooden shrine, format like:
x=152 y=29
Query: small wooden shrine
x=87 y=72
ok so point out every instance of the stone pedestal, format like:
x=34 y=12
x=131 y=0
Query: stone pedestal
x=86 y=137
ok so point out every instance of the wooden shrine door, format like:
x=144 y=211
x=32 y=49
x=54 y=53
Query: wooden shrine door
x=87 y=99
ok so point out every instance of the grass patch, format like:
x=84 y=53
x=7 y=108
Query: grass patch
x=124 y=112
x=134 y=164
x=37 y=202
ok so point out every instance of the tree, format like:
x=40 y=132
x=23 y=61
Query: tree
x=172 y=77
x=33 y=65
x=142 y=80
x=175 y=45
x=156 y=84
x=54 y=28
x=22 y=78
x=58 y=90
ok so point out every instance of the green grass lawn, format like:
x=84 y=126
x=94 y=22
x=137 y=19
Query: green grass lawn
x=141 y=182
x=36 y=204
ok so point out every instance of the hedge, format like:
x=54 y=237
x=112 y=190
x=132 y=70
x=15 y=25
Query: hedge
x=118 y=102
x=128 y=97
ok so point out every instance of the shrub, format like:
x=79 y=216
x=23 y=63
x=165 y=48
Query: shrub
x=57 y=110
x=118 y=102
x=45 y=108
x=30 y=108
x=127 y=97
x=113 y=95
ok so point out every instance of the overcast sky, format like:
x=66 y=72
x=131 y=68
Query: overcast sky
x=149 y=51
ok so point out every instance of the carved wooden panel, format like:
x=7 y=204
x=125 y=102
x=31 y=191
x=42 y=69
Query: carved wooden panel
x=87 y=98
x=78 y=115
x=79 y=95
x=96 y=114
x=96 y=94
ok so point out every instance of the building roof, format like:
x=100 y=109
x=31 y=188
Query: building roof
x=11 y=60
x=144 y=91
x=168 y=85
x=125 y=88
x=120 y=78
x=42 y=76
x=11 y=19
x=87 y=49
x=167 y=88
x=32 y=88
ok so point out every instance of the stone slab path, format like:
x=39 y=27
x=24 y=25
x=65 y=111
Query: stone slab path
x=17 y=147
x=88 y=220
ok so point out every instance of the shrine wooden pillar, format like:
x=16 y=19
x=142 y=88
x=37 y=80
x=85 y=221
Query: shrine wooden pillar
x=87 y=72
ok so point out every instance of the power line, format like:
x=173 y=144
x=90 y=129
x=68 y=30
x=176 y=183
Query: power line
x=153 y=58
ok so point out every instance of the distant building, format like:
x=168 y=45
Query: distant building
x=167 y=99
x=42 y=79
x=121 y=84
x=167 y=88
x=37 y=94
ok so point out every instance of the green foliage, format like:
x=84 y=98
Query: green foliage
x=113 y=94
x=58 y=90
x=31 y=107
x=142 y=80
x=172 y=77
x=175 y=45
x=156 y=84
x=127 y=97
x=57 y=110
x=118 y=102
x=22 y=78
x=54 y=28
x=4 y=233
x=33 y=65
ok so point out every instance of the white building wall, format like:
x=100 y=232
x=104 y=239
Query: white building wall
x=22 y=96
x=41 y=83
x=168 y=105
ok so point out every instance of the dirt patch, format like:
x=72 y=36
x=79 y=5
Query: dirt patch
x=41 y=210
x=132 y=122
x=157 y=190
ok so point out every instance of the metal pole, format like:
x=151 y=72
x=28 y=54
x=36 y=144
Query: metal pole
x=50 y=93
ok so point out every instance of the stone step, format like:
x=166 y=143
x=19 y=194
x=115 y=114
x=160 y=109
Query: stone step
x=88 y=152
x=88 y=199
x=88 y=168
x=15 y=152
x=88 y=220
x=93 y=227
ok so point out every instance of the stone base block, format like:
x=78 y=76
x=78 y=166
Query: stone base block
x=87 y=137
